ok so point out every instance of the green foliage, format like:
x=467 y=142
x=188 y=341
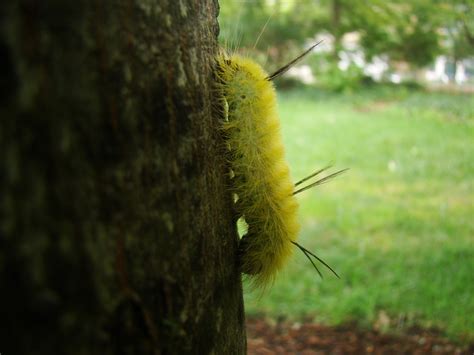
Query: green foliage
x=242 y=22
x=331 y=78
x=402 y=30
x=398 y=226
x=410 y=31
x=272 y=32
x=459 y=28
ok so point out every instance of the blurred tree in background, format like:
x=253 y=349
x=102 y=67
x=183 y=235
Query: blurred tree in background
x=412 y=32
x=459 y=28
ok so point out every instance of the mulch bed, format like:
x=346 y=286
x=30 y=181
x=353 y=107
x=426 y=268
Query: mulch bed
x=284 y=337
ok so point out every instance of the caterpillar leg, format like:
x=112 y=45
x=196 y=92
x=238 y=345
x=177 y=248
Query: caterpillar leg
x=253 y=268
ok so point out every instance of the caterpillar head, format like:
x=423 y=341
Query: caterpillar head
x=243 y=82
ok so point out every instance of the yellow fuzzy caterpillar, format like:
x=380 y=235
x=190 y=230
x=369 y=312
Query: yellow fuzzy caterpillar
x=261 y=177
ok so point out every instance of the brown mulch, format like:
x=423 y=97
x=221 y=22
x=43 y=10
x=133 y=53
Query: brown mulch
x=307 y=338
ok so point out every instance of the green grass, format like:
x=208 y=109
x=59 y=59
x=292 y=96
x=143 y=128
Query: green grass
x=398 y=227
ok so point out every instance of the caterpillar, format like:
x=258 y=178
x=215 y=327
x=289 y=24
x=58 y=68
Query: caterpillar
x=260 y=176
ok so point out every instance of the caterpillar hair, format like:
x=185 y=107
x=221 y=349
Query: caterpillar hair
x=261 y=182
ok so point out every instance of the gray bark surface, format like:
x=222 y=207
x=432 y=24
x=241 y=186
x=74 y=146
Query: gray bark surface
x=116 y=230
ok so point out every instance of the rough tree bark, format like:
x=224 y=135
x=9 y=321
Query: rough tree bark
x=116 y=227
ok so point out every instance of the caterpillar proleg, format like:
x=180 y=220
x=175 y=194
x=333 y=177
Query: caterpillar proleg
x=261 y=181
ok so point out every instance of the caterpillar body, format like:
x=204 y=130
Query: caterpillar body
x=260 y=175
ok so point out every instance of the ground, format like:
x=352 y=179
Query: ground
x=285 y=337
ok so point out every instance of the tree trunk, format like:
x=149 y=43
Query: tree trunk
x=117 y=234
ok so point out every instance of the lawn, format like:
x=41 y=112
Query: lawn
x=398 y=226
